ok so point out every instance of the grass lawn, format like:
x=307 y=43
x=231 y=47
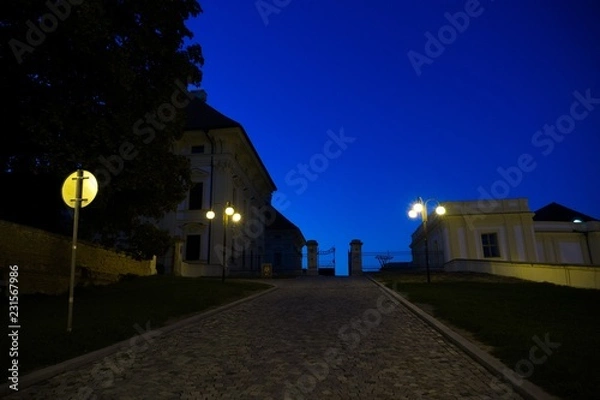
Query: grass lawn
x=508 y=314
x=104 y=315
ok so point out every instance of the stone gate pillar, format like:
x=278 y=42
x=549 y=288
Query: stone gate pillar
x=356 y=257
x=312 y=248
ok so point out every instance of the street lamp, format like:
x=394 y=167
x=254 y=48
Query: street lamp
x=228 y=213
x=420 y=208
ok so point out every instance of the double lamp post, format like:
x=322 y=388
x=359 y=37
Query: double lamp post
x=228 y=213
x=420 y=208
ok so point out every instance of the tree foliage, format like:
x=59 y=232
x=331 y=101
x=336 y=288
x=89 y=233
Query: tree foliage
x=88 y=84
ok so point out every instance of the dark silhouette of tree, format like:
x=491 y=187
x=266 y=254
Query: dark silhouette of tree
x=99 y=85
x=384 y=259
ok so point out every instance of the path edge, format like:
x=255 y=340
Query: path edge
x=523 y=387
x=46 y=373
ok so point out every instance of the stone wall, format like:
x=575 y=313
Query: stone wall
x=567 y=275
x=44 y=260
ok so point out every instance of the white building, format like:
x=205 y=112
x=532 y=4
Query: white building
x=226 y=169
x=507 y=230
x=555 y=243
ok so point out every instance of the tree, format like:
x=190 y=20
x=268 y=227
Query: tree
x=100 y=85
x=384 y=259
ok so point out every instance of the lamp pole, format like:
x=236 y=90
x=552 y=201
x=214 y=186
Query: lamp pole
x=225 y=219
x=420 y=208
x=228 y=211
x=424 y=219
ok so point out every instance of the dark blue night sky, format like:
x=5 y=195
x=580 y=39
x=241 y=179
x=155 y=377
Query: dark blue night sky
x=492 y=94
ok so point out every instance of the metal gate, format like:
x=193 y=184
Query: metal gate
x=326 y=264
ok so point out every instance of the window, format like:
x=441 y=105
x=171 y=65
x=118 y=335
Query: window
x=489 y=242
x=195 y=202
x=192 y=248
x=197 y=149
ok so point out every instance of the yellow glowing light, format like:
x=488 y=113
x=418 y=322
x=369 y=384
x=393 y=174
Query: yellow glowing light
x=413 y=214
x=229 y=210
x=210 y=214
x=418 y=207
x=236 y=217
x=440 y=210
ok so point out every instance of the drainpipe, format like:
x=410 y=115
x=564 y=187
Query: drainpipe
x=587 y=244
x=585 y=233
x=210 y=195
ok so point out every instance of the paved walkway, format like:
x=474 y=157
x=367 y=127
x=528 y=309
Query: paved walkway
x=313 y=338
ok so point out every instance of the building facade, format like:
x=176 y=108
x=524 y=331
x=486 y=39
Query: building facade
x=226 y=170
x=284 y=243
x=566 y=236
x=508 y=231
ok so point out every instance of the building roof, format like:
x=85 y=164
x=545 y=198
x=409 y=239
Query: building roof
x=281 y=223
x=201 y=116
x=558 y=212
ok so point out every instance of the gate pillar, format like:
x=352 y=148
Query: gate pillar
x=311 y=247
x=356 y=257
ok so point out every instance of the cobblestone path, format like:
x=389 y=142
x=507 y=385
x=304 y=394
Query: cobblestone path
x=312 y=338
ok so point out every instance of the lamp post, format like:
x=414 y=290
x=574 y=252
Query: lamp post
x=420 y=208
x=228 y=213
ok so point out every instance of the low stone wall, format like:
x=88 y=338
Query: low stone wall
x=44 y=260
x=567 y=275
x=193 y=270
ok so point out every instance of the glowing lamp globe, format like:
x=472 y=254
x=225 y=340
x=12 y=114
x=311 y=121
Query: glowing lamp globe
x=418 y=207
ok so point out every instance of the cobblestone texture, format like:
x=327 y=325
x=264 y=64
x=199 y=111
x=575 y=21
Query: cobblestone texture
x=313 y=338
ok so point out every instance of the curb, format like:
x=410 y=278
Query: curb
x=492 y=364
x=80 y=361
